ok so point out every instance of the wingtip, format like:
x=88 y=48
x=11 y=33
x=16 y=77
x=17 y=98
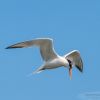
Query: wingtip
x=7 y=47
x=81 y=70
x=10 y=47
x=13 y=47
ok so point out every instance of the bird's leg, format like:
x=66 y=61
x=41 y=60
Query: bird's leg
x=70 y=72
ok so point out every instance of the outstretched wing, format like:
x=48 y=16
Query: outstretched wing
x=75 y=58
x=45 y=44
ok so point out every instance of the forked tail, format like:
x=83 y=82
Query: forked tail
x=39 y=70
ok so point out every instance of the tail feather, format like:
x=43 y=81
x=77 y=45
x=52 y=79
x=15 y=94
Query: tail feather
x=35 y=72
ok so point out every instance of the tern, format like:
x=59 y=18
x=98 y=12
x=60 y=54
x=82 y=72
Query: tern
x=51 y=58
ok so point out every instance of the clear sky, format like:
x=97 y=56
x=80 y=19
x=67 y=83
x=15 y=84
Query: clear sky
x=73 y=24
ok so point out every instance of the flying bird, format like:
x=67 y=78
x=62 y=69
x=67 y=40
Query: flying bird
x=51 y=58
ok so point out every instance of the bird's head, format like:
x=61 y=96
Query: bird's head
x=70 y=68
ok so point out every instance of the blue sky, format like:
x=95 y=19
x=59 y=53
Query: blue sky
x=73 y=24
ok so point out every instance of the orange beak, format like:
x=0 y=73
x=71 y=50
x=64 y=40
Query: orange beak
x=70 y=73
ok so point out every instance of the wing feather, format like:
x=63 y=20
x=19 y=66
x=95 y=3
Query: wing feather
x=76 y=59
x=46 y=47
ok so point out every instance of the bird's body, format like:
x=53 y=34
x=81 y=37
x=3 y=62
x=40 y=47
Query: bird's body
x=51 y=58
x=55 y=63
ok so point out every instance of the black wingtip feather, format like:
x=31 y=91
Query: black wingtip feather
x=80 y=69
x=8 y=48
x=12 y=47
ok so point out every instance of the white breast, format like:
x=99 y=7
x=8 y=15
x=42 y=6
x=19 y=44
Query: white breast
x=58 y=62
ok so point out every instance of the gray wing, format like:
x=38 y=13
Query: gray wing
x=45 y=44
x=76 y=59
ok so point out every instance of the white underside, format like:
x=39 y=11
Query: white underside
x=55 y=63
